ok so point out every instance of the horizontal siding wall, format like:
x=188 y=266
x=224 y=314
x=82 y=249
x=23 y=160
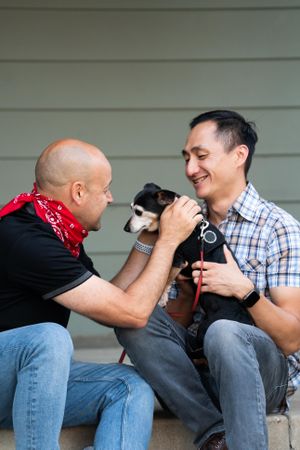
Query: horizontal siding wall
x=129 y=175
x=129 y=35
x=140 y=85
x=129 y=133
x=148 y=5
x=129 y=75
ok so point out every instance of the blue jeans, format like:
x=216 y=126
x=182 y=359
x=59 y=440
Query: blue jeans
x=247 y=377
x=43 y=389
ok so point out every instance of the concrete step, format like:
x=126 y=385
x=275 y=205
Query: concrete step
x=168 y=432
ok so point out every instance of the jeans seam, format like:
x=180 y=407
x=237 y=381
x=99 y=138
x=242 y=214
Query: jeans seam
x=261 y=412
x=124 y=413
x=111 y=379
x=173 y=329
x=104 y=379
x=266 y=338
x=31 y=442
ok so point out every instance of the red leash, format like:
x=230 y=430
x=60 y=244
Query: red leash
x=122 y=357
x=198 y=291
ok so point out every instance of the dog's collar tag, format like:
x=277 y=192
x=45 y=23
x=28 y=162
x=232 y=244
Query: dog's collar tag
x=209 y=237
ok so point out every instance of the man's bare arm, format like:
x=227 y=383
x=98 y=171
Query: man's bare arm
x=280 y=320
x=135 y=262
x=108 y=304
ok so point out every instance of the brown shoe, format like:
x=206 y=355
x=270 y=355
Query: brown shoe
x=215 y=442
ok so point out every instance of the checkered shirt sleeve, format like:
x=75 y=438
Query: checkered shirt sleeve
x=283 y=260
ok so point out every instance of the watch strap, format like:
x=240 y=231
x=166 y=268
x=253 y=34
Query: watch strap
x=251 y=298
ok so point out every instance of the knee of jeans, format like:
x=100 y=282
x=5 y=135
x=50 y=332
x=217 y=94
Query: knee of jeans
x=143 y=339
x=140 y=389
x=145 y=395
x=143 y=389
x=128 y=336
x=54 y=340
x=220 y=337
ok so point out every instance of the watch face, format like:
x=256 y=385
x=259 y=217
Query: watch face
x=251 y=298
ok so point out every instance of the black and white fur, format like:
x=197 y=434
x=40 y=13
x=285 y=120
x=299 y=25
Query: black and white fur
x=147 y=206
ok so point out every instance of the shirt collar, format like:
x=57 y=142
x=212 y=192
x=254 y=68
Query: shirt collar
x=246 y=205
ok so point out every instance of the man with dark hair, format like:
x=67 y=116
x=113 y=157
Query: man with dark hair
x=44 y=274
x=233 y=129
x=251 y=369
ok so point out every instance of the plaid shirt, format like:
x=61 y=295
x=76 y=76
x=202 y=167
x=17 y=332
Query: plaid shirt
x=266 y=242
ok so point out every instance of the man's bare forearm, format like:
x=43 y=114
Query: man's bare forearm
x=135 y=262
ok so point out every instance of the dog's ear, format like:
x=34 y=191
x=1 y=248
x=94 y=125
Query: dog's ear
x=165 y=197
x=151 y=187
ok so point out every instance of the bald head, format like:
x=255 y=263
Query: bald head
x=66 y=161
x=79 y=175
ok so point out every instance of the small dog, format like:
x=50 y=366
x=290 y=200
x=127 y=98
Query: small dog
x=147 y=207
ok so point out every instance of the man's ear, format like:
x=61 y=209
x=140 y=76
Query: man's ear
x=241 y=152
x=78 y=191
x=165 y=197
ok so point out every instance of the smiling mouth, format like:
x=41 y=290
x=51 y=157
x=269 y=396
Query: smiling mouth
x=199 y=180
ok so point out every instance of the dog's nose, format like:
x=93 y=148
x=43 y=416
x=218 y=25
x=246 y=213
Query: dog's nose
x=127 y=227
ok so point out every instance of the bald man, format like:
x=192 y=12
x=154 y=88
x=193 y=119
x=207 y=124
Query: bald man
x=44 y=274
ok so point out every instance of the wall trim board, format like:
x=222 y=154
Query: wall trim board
x=150 y=5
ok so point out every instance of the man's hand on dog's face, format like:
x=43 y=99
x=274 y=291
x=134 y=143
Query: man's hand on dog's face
x=179 y=220
x=223 y=279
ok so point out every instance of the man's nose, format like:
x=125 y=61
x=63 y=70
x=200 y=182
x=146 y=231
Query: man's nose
x=191 y=167
x=109 y=196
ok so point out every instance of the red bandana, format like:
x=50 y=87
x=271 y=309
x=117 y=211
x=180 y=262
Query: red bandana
x=64 y=224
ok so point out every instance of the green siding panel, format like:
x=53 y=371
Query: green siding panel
x=130 y=175
x=109 y=265
x=111 y=237
x=183 y=35
x=134 y=133
x=149 y=85
x=148 y=4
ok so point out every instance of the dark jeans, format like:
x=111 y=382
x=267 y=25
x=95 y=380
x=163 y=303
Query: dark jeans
x=247 y=375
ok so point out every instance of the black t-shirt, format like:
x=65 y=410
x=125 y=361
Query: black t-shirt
x=35 y=266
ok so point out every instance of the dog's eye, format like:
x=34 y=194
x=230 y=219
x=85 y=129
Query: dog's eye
x=138 y=212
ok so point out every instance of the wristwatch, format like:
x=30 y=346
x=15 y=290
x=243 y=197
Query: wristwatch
x=251 y=298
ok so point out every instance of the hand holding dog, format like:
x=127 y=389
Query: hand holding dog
x=179 y=219
x=223 y=279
